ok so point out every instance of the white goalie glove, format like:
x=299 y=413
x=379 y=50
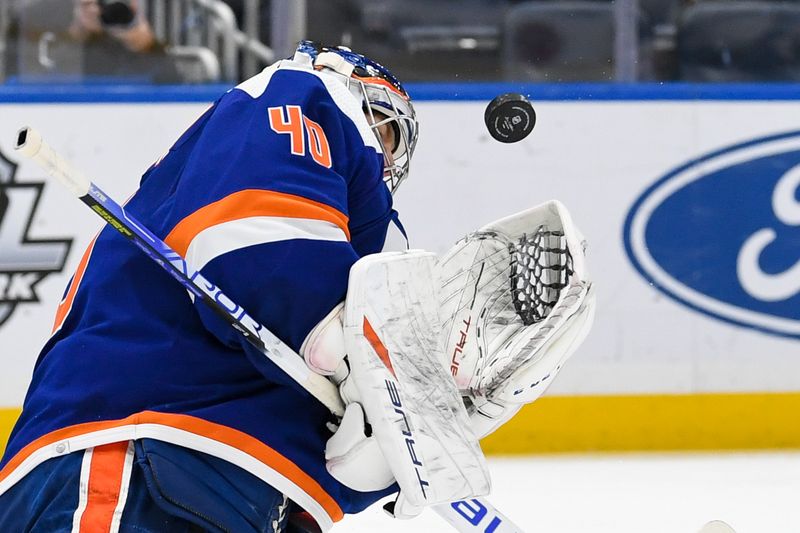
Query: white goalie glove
x=513 y=301
x=516 y=302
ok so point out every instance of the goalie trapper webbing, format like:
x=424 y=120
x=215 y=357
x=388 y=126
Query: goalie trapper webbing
x=541 y=266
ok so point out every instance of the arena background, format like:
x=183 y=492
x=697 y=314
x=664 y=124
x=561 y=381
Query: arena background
x=680 y=358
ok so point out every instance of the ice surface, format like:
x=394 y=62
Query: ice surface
x=633 y=493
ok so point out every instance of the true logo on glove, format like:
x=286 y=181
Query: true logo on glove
x=394 y=396
x=455 y=361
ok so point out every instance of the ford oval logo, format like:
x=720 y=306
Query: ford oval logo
x=721 y=234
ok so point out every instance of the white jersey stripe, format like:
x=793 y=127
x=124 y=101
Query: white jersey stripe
x=83 y=490
x=226 y=237
x=127 y=469
x=176 y=436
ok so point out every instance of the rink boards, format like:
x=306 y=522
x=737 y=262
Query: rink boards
x=688 y=197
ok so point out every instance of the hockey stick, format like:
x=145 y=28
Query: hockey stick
x=475 y=515
x=30 y=144
x=467 y=516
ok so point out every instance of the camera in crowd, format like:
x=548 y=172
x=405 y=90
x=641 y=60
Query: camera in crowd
x=116 y=13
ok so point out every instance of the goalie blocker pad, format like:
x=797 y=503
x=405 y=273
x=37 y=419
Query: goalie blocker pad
x=392 y=332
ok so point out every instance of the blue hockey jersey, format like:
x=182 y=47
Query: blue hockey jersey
x=273 y=193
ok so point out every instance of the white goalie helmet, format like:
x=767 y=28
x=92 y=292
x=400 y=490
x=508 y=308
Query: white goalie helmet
x=380 y=92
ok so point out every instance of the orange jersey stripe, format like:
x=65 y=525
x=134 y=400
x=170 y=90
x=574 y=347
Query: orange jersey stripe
x=251 y=203
x=217 y=432
x=66 y=304
x=105 y=483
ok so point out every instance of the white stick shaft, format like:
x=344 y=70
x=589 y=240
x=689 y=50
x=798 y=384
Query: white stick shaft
x=475 y=515
x=30 y=144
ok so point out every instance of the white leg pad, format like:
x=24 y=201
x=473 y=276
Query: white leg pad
x=392 y=335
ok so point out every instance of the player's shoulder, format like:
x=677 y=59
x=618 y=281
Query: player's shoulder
x=297 y=82
x=283 y=79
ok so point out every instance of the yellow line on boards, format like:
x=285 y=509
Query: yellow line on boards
x=737 y=421
x=8 y=416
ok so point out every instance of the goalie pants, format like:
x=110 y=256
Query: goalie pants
x=142 y=486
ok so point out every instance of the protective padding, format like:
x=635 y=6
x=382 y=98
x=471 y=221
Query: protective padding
x=392 y=330
x=509 y=292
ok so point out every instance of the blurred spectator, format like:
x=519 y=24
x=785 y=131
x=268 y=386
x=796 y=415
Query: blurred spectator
x=118 y=41
x=724 y=41
x=84 y=40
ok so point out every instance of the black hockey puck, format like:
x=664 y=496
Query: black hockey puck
x=509 y=117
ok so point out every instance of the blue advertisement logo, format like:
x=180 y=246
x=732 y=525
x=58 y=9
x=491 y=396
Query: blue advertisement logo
x=721 y=234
